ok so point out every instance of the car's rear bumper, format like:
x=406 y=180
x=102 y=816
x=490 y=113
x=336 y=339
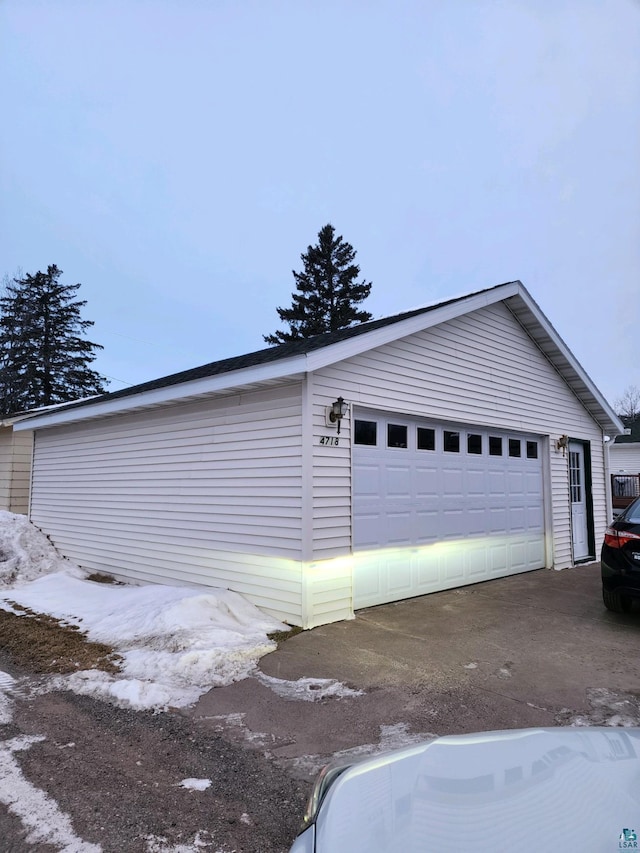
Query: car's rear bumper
x=618 y=575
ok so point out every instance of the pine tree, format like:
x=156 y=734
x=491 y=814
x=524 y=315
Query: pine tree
x=327 y=292
x=44 y=358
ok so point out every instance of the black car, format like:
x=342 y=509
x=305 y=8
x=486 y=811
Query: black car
x=620 y=560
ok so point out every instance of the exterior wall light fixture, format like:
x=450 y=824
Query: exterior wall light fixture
x=562 y=443
x=336 y=411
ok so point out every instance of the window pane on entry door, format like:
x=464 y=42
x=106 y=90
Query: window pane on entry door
x=575 y=482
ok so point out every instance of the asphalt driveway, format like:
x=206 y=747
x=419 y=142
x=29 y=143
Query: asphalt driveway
x=529 y=650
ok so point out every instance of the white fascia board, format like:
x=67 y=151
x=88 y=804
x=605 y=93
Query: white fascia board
x=333 y=353
x=564 y=351
x=171 y=393
x=33 y=413
x=280 y=368
x=394 y=331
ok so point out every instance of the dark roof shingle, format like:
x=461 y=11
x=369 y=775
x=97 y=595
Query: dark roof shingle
x=634 y=425
x=270 y=354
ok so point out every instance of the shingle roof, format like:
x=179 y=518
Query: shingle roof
x=284 y=362
x=269 y=354
x=634 y=425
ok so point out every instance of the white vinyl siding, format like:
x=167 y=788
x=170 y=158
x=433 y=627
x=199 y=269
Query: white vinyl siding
x=246 y=490
x=15 y=469
x=206 y=492
x=480 y=369
x=328 y=520
x=625 y=458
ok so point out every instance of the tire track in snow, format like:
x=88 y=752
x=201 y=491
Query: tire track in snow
x=6 y=680
x=39 y=813
x=6 y=683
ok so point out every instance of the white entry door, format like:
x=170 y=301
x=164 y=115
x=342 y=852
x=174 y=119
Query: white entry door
x=578 y=497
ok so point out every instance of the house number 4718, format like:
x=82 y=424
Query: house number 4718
x=331 y=440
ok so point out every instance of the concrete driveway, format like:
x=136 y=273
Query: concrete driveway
x=529 y=650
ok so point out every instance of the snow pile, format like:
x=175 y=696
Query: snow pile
x=176 y=642
x=26 y=553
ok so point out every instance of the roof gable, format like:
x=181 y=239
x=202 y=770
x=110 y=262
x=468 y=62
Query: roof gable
x=297 y=358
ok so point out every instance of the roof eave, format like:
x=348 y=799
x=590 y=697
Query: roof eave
x=515 y=296
x=541 y=331
x=291 y=368
x=524 y=308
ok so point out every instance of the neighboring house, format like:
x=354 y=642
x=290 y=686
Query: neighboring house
x=16 y=450
x=624 y=452
x=15 y=466
x=624 y=464
x=472 y=447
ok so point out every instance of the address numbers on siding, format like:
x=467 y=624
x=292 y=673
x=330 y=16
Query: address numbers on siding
x=331 y=440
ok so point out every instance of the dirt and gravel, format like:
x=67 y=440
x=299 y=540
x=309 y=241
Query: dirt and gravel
x=41 y=643
x=531 y=650
x=118 y=775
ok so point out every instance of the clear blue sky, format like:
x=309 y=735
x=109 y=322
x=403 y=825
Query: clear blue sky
x=177 y=156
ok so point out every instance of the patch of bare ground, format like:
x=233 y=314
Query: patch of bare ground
x=44 y=644
x=280 y=636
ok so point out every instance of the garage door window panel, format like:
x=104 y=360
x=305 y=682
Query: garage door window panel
x=474 y=443
x=515 y=450
x=495 y=445
x=365 y=432
x=426 y=438
x=397 y=435
x=451 y=441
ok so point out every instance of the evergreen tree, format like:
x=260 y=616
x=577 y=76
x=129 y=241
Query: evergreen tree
x=327 y=291
x=44 y=358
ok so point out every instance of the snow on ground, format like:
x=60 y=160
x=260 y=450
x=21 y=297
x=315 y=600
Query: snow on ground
x=195 y=784
x=6 y=684
x=40 y=815
x=307 y=689
x=392 y=737
x=159 y=844
x=176 y=642
x=26 y=553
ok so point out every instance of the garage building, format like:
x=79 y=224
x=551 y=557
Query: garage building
x=444 y=446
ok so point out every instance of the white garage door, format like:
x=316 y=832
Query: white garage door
x=438 y=506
